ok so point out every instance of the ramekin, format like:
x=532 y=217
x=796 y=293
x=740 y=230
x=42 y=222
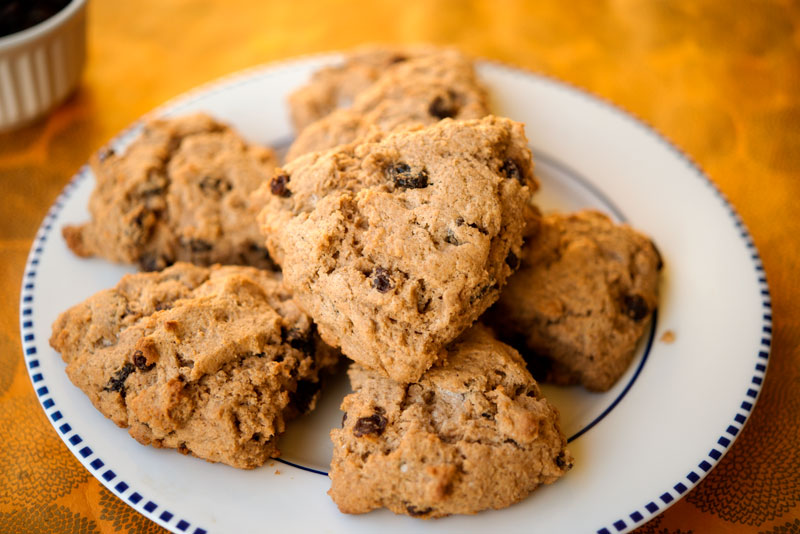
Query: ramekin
x=41 y=66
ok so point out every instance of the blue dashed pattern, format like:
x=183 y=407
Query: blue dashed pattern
x=73 y=439
x=757 y=379
x=167 y=518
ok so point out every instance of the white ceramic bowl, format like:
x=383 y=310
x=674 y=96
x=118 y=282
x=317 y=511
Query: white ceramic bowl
x=41 y=66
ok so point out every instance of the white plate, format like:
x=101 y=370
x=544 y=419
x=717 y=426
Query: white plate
x=638 y=448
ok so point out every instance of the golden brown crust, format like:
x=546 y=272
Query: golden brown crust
x=473 y=433
x=397 y=245
x=178 y=193
x=210 y=361
x=581 y=300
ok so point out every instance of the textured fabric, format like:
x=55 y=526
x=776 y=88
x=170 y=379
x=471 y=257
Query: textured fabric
x=718 y=78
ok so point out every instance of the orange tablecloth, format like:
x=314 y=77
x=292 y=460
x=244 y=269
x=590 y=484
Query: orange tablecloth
x=719 y=78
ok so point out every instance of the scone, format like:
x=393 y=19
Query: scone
x=336 y=86
x=180 y=192
x=473 y=433
x=418 y=91
x=396 y=246
x=209 y=361
x=581 y=300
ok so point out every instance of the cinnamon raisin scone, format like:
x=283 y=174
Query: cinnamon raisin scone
x=396 y=246
x=180 y=192
x=421 y=90
x=473 y=433
x=209 y=361
x=336 y=86
x=581 y=300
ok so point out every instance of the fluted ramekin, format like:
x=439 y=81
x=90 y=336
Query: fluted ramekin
x=41 y=66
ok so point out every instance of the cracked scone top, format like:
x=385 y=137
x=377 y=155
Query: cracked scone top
x=581 y=300
x=180 y=192
x=418 y=91
x=395 y=246
x=210 y=361
x=473 y=433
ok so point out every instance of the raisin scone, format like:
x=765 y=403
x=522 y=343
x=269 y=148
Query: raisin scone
x=422 y=91
x=180 y=192
x=210 y=361
x=581 y=300
x=336 y=86
x=473 y=433
x=396 y=246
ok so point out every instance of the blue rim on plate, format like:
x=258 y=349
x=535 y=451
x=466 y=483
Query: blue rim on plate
x=159 y=514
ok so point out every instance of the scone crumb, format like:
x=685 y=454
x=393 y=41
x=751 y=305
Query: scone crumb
x=667 y=337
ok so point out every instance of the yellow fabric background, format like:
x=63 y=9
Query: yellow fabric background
x=718 y=78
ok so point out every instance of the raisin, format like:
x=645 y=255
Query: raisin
x=381 y=280
x=561 y=461
x=399 y=168
x=139 y=220
x=279 y=186
x=479 y=228
x=635 y=307
x=451 y=238
x=397 y=58
x=373 y=424
x=304 y=394
x=511 y=170
x=487 y=415
x=117 y=382
x=404 y=178
x=140 y=361
x=512 y=261
x=482 y=292
x=150 y=261
x=413 y=511
x=423 y=303
x=215 y=185
x=344 y=419
x=443 y=108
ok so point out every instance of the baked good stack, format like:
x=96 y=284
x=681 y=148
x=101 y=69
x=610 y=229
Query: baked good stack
x=403 y=226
